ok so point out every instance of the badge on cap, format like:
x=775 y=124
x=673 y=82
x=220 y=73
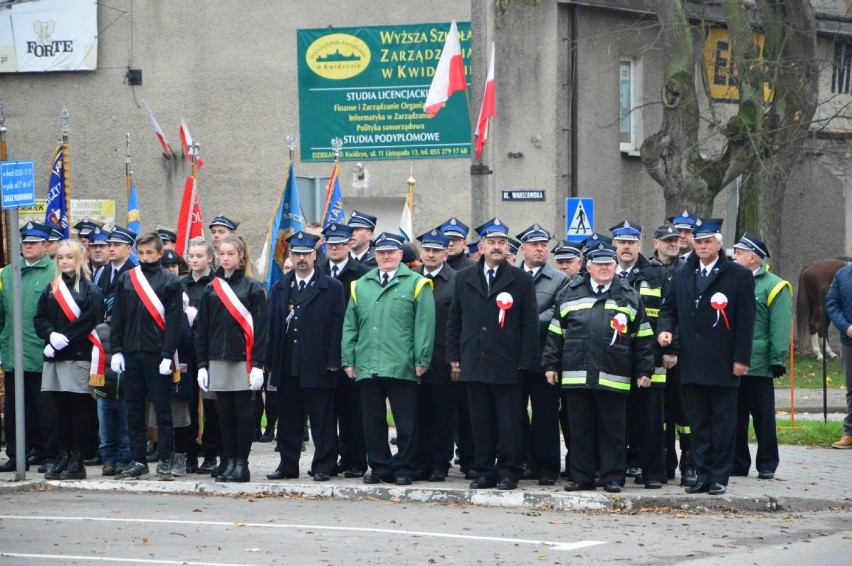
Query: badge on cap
x=29 y=226
x=453 y=221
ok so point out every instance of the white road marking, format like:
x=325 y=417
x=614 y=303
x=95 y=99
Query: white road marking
x=556 y=545
x=110 y=559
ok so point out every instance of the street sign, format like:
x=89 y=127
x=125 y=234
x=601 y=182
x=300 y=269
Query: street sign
x=579 y=219
x=523 y=195
x=17 y=184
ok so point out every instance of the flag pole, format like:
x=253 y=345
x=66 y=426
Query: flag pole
x=336 y=145
x=4 y=215
x=127 y=172
x=65 y=125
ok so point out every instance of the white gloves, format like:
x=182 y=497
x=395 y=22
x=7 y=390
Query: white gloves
x=117 y=363
x=256 y=379
x=203 y=379
x=166 y=367
x=58 y=341
x=49 y=352
x=191 y=313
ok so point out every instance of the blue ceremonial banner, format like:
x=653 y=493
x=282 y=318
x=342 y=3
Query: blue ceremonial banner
x=133 y=217
x=332 y=212
x=57 y=211
x=286 y=221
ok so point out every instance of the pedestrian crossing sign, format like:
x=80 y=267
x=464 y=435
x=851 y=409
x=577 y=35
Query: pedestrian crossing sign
x=579 y=219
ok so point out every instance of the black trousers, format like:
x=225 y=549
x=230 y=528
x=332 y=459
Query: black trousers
x=496 y=418
x=462 y=432
x=541 y=429
x=39 y=416
x=72 y=421
x=142 y=380
x=565 y=427
x=350 y=425
x=192 y=446
x=756 y=397
x=93 y=440
x=318 y=403
x=402 y=394
x=236 y=422
x=712 y=417
x=649 y=429
x=597 y=419
x=211 y=440
x=270 y=405
x=677 y=425
x=435 y=409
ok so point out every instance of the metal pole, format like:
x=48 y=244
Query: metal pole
x=824 y=327
x=18 y=341
x=481 y=202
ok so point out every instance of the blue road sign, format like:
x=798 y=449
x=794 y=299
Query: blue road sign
x=579 y=218
x=17 y=184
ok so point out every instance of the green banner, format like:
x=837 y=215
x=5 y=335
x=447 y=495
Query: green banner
x=367 y=86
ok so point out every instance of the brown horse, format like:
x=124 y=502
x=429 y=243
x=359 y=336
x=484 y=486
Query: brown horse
x=814 y=281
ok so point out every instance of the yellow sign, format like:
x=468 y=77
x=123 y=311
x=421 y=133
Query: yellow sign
x=719 y=66
x=338 y=56
x=101 y=210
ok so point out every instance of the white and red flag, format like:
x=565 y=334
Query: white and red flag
x=158 y=130
x=189 y=224
x=488 y=108
x=449 y=75
x=186 y=140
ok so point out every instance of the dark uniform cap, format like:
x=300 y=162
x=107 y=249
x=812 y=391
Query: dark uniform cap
x=565 y=250
x=473 y=247
x=513 y=246
x=98 y=237
x=362 y=220
x=84 y=227
x=167 y=234
x=223 y=221
x=665 y=232
x=753 y=243
x=121 y=235
x=302 y=242
x=534 y=233
x=492 y=228
x=170 y=257
x=55 y=233
x=595 y=239
x=600 y=253
x=455 y=228
x=626 y=231
x=408 y=253
x=389 y=241
x=706 y=227
x=434 y=239
x=683 y=221
x=35 y=232
x=337 y=233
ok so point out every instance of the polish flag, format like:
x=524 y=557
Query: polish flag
x=158 y=130
x=186 y=140
x=488 y=108
x=189 y=224
x=449 y=74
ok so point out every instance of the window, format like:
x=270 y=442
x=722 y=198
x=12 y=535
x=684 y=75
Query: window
x=629 y=111
x=841 y=70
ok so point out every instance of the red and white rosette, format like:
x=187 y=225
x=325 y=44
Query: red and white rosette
x=719 y=301
x=619 y=326
x=504 y=303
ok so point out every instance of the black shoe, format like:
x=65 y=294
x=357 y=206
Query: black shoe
x=653 y=484
x=191 y=464
x=437 y=475
x=267 y=436
x=483 y=482
x=34 y=459
x=698 y=487
x=716 y=489
x=612 y=487
x=766 y=475
x=75 y=470
x=207 y=466
x=574 y=486
x=241 y=473
x=108 y=470
x=227 y=470
x=633 y=471
x=402 y=480
x=319 y=476
x=373 y=478
x=353 y=473
x=46 y=466
x=639 y=480
x=94 y=461
x=546 y=480
x=280 y=474
x=688 y=478
x=529 y=474
x=471 y=475
x=565 y=474
x=55 y=468
x=507 y=483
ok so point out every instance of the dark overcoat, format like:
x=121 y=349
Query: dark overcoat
x=444 y=287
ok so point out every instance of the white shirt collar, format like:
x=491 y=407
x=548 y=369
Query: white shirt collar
x=595 y=284
x=534 y=270
x=391 y=274
x=306 y=279
x=436 y=272
x=339 y=265
x=709 y=267
x=485 y=269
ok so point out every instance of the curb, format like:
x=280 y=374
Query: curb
x=533 y=500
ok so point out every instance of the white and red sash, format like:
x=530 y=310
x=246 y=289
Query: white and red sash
x=154 y=306
x=72 y=313
x=239 y=312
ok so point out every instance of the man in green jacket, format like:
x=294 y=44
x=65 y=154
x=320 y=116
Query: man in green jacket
x=388 y=335
x=37 y=272
x=770 y=349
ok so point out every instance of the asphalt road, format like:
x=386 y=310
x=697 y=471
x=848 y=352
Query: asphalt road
x=75 y=527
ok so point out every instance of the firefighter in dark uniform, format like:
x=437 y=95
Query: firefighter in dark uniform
x=597 y=345
x=646 y=420
x=352 y=446
x=541 y=429
x=457 y=232
x=362 y=225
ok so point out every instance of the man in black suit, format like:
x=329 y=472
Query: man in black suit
x=456 y=231
x=362 y=225
x=120 y=245
x=711 y=302
x=436 y=397
x=352 y=446
x=492 y=334
x=305 y=323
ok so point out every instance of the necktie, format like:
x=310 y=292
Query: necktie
x=301 y=285
x=335 y=272
x=384 y=279
x=114 y=275
x=600 y=290
x=623 y=275
x=490 y=278
x=531 y=272
x=430 y=276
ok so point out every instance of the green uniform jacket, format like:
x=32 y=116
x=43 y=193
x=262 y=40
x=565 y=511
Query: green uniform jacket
x=389 y=331
x=33 y=281
x=771 y=344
